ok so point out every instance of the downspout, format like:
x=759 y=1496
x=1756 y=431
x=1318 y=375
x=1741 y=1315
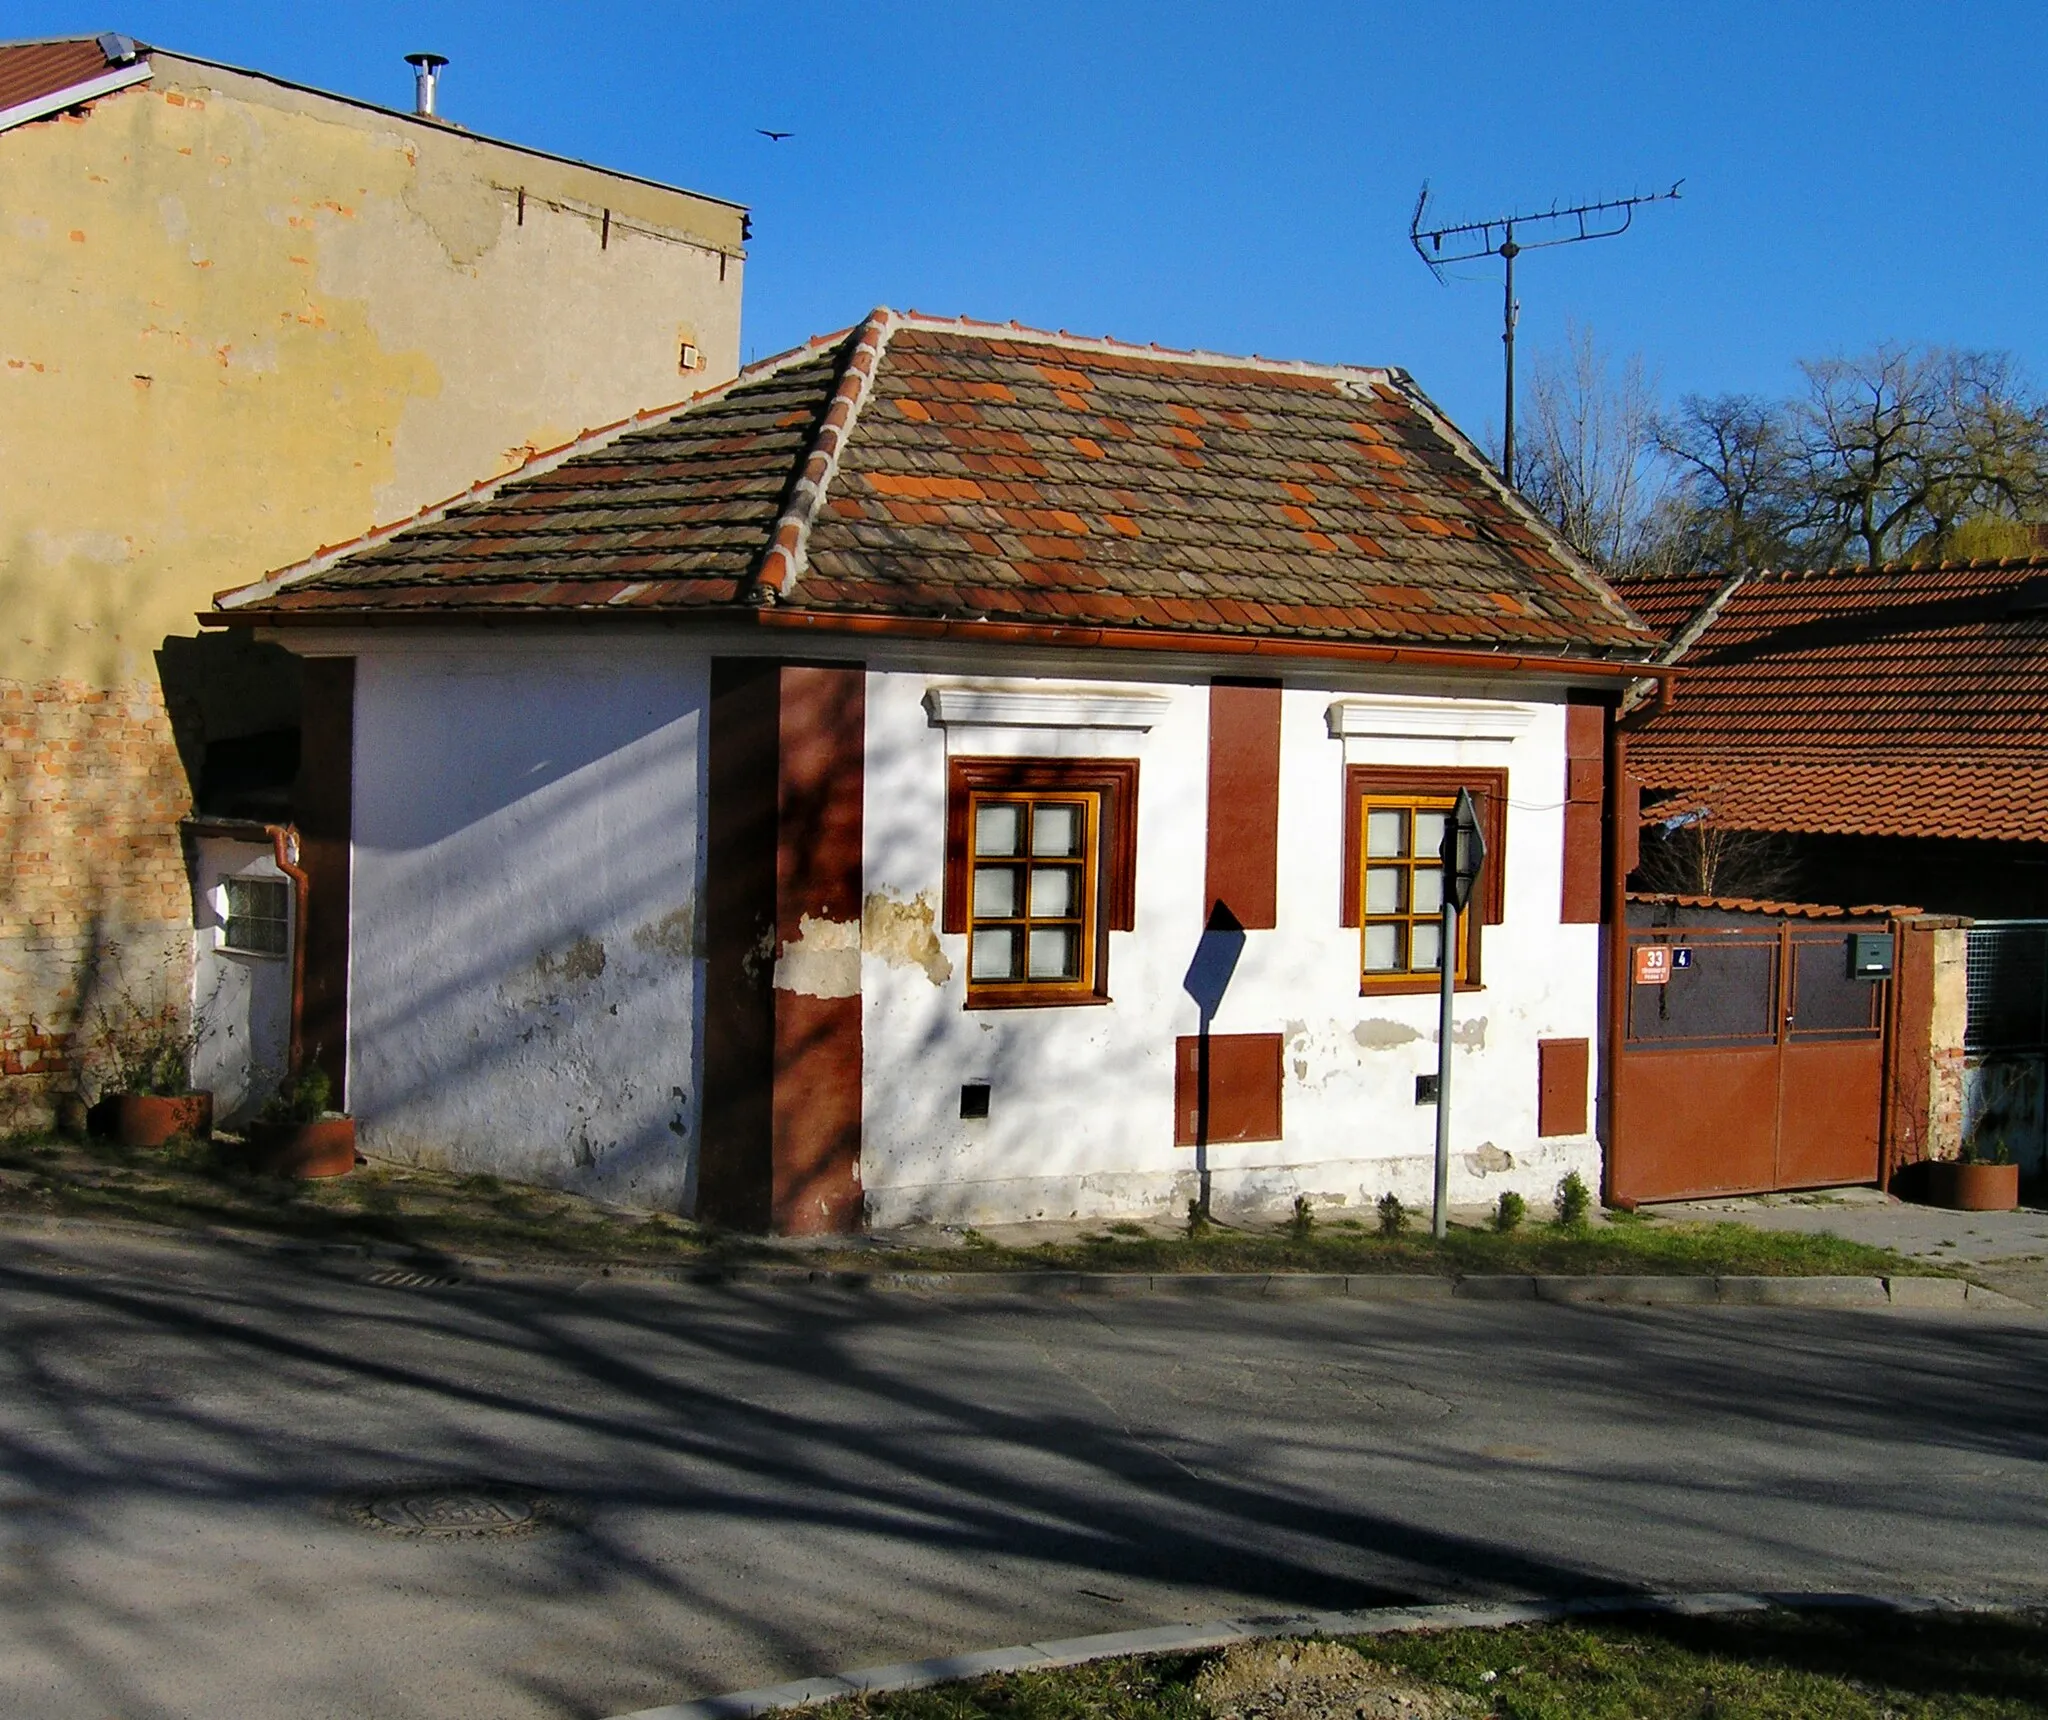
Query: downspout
x=284 y=841
x=1615 y=968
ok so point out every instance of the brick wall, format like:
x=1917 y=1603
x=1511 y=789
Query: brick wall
x=94 y=899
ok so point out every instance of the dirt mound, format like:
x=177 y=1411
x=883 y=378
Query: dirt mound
x=1319 y=1681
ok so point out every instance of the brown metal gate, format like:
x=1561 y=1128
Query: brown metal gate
x=1758 y=1064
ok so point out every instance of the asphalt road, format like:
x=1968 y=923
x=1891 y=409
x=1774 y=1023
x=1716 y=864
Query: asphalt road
x=751 y=1485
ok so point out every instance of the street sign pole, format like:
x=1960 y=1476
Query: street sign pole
x=1440 y=1213
x=1463 y=854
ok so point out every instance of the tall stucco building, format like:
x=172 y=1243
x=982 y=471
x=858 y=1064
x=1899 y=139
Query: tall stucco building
x=240 y=319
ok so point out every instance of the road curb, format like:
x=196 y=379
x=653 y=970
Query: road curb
x=1220 y=1633
x=1634 y=1290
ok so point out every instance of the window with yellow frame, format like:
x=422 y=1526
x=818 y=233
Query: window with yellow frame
x=1033 y=893
x=1401 y=890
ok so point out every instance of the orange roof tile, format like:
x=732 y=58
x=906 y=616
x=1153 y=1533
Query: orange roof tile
x=928 y=468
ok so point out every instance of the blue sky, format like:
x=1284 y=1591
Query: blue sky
x=1240 y=177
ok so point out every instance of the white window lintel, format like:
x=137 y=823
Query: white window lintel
x=957 y=705
x=1391 y=717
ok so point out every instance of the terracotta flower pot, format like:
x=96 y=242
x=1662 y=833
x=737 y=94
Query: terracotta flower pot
x=1964 y=1187
x=326 y=1148
x=150 y=1119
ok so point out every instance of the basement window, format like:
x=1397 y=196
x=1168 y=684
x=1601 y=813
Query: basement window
x=258 y=918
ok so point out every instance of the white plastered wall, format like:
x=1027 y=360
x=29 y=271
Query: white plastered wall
x=524 y=985
x=1081 y=1119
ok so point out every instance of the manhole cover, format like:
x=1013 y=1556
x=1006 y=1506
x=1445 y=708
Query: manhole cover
x=447 y=1509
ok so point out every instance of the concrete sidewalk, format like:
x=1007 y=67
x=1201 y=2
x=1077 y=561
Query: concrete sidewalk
x=2006 y=1250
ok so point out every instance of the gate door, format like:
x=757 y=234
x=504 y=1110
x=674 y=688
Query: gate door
x=1757 y=1064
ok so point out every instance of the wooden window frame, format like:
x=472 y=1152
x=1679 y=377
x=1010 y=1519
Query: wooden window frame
x=1489 y=789
x=1110 y=876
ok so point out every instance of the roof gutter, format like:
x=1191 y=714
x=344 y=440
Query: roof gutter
x=816 y=623
x=41 y=107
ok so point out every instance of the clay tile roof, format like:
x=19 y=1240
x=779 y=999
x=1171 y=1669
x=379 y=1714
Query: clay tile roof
x=31 y=71
x=1903 y=701
x=1764 y=905
x=916 y=467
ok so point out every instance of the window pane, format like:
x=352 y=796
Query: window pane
x=995 y=893
x=1428 y=940
x=1429 y=890
x=993 y=954
x=1383 y=889
x=1055 y=953
x=998 y=828
x=1429 y=833
x=1056 y=830
x=1383 y=949
x=1386 y=833
x=258 y=916
x=1053 y=893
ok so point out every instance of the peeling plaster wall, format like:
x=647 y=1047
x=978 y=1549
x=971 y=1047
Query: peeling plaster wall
x=525 y=980
x=1081 y=1118
x=239 y=321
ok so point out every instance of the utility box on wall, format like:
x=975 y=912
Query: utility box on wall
x=1239 y=1100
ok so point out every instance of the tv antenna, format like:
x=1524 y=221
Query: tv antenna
x=1504 y=237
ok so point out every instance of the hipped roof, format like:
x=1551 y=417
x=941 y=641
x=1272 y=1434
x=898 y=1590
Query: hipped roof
x=915 y=467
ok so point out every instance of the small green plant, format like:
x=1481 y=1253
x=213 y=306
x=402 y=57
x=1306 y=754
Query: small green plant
x=142 y=1047
x=1976 y=1151
x=1509 y=1211
x=1124 y=1227
x=301 y=1098
x=1198 y=1219
x=1393 y=1215
x=1303 y=1220
x=1574 y=1202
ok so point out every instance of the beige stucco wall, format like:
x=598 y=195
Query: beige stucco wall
x=239 y=321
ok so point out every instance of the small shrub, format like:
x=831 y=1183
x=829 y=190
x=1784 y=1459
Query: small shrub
x=1574 y=1202
x=1198 y=1219
x=1393 y=1215
x=302 y=1099
x=1303 y=1221
x=1124 y=1227
x=1509 y=1211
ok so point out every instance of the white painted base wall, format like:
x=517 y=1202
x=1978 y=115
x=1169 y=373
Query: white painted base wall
x=528 y=846
x=1081 y=1113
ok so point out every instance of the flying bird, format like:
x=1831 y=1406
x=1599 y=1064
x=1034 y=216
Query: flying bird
x=774 y=136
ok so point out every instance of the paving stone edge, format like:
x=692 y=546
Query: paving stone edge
x=1641 y=1290
x=1219 y=1633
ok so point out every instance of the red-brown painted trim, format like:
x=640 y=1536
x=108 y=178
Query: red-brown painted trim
x=325 y=805
x=1243 y=876
x=1489 y=788
x=1614 y=957
x=1563 y=1069
x=736 y=1142
x=1585 y=795
x=816 y=1110
x=825 y=623
x=1227 y=1087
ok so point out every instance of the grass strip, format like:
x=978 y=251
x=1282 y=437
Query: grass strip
x=1780 y=1665
x=198 y=1185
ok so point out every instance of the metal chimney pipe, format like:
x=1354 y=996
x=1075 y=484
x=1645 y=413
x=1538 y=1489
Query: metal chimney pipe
x=426 y=71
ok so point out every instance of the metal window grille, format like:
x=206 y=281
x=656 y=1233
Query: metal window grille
x=2007 y=980
x=258 y=917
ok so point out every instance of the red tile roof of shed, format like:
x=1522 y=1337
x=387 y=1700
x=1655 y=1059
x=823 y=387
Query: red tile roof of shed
x=1903 y=701
x=924 y=468
x=31 y=70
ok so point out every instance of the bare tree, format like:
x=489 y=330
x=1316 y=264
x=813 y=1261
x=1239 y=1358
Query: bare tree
x=1904 y=443
x=1589 y=453
x=1706 y=859
x=1738 y=499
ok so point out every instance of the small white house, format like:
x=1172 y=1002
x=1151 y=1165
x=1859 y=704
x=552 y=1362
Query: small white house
x=958 y=772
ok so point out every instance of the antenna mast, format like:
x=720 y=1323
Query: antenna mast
x=1440 y=246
